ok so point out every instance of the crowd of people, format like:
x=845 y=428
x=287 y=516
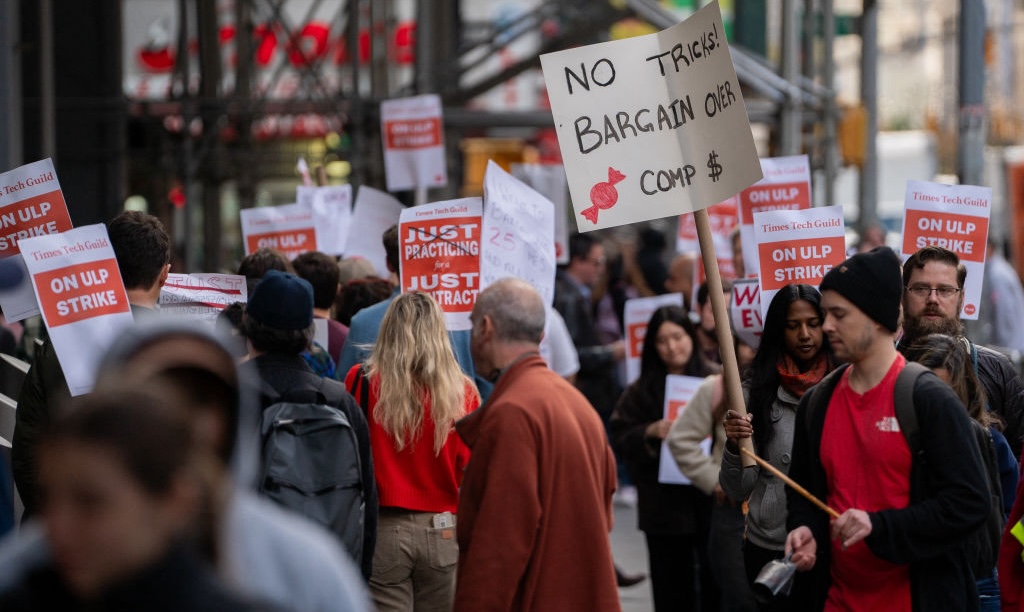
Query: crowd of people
x=400 y=466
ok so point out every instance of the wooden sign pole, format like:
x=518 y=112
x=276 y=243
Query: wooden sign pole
x=730 y=369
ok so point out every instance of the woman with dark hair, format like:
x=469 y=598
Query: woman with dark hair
x=674 y=518
x=793 y=356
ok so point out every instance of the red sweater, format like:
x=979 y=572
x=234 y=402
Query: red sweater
x=414 y=478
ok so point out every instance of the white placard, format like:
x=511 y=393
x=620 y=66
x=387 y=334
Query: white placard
x=201 y=296
x=797 y=247
x=332 y=215
x=31 y=204
x=954 y=217
x=651 y=126
x=679 y=391
x=81 y=297
x=413 y=136
x=374 y=213
x=549 y=180
x=440 y=254
x=289 y=229
x=745 y=311
x=786 y=186
x=518 y=234
x=636 y=315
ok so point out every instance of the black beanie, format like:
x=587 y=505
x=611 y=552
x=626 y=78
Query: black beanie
x=873 y=282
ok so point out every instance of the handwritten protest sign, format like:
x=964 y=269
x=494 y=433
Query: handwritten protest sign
x=518 y=234
x=413 y=142
x=679 y=391
x=786 y=186
x=651 y=126
x=722 y=218
x=549 y=180
x=201 y=296
x=637 y=313
x=797 y=246
x=375 y=212
x=953 y=217
x=745 y=311
x=287 y=228
x=81 y=297
x=440 y=254
x=31 y=204
x=332 y=215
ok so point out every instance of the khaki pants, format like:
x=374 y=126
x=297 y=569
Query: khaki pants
x=413 y=564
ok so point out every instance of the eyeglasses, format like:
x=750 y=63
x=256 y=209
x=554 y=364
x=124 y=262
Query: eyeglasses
x=924 y=291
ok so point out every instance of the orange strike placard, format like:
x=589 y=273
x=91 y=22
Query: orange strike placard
x=290 y=242
x=799 y=261
x=81 y=291
x=965 y=235
x=413 y=133
x=35 y=216
x=674 y=408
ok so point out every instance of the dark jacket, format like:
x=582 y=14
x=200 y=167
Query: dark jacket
x=949 y=499
x=1005 y=393
x=669 y=509
x=290 y=372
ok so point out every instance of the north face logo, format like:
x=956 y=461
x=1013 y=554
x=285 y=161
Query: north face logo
x=888 y=424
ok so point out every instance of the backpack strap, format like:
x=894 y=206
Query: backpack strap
x=364 y=389
x=821 y=394
x=906 y=411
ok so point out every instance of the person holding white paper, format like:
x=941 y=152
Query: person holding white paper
x=674 y=518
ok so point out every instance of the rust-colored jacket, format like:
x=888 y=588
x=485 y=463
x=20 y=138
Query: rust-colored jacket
x=535 y=506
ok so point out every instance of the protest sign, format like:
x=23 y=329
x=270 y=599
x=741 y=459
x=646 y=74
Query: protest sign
x=287 y=228
x=797 y=247
x=722 y=218
x=549 y=180
x=637 y=313
x=786 y=186
x=954 y=217
x=518 y=234
x=651 y=126
x=81 y=296
x=332 y=215
x=440 y=255
x=374 y=213
x=201 y=296
x=411 y=129
x=679 y=391
x=745 y=311
x=31 y=204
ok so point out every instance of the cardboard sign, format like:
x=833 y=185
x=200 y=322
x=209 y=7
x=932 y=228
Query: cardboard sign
x=201 y=296
x=745 y=311
x=81 y=297
x=678 y=392
x=332 y=215
x=549 y=180
x=651 y=126
x=797 y=247
x=637 y=313
x=440 y=255
x=31 y=204
x=953 y=217
x=289 y=229
x=786 y=186
x=374 y=213
x=518 y=234
x=413 y=135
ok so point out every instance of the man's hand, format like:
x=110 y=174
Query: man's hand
x=658 y=429
x=800 y=543
x=851 y=527
x=618 y=350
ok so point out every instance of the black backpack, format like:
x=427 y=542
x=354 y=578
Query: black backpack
x=311 y=463
x=982 y=548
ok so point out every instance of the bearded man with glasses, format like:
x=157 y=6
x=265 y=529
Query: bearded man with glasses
x=933 y=282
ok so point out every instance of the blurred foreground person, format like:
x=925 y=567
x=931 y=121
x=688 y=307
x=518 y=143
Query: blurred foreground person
x=535 y=506
x=413 y=391
x=120 y=494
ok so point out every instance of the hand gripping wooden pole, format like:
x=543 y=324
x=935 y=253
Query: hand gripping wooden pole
x=730 y=369
x=790 y=483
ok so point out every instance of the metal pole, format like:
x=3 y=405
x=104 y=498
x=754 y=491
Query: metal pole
x=209 y=90
x=828 y=79
x=790 y=129
x=10 y=86
x=47 y=105
x=971 y=144
x=869 y=97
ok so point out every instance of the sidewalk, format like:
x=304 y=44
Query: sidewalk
x=630 y=553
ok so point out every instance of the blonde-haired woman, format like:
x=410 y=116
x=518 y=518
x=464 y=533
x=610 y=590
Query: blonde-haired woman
x=413 y=391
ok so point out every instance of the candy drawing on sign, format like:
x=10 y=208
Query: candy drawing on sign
x=603 y=195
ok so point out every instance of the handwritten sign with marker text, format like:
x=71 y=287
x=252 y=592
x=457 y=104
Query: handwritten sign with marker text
x=81 y=297
x=549 y=181
x=954 y=217
x=332 y=215
x=651 y=126
x=413 y=142
x=201 y=296
x=289 y=229
x=745 y=311
x=786 y=186
x=797 y=247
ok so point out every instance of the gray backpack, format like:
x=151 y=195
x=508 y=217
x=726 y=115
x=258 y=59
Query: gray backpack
x=311 y=464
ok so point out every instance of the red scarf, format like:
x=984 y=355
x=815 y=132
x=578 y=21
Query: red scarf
x=797 y=382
